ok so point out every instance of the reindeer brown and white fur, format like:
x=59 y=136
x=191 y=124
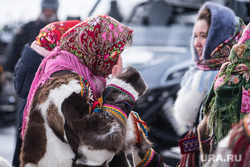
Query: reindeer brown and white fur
x=60 y=130
x=137 y=145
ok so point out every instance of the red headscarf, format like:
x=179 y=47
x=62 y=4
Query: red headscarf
x=90 y=49
x=50 y=36
x=97 y=41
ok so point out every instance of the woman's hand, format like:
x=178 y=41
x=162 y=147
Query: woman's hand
x=118 y=68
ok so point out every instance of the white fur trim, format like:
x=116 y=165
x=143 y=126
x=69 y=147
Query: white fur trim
x=30 y=165
x=130 y=129
x=57 y=97
x=40 y=50
x=188 y=102
x=124 y=85
x=57 y=153
x=130 y=138
x=94 y=157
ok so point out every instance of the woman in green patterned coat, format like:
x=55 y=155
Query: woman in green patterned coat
x=229 y=98
x=216 y=30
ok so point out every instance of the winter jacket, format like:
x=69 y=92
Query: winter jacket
x=24 y=73
x=25 y=70
x=25 y=35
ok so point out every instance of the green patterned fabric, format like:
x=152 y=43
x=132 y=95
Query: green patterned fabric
x=229 y=98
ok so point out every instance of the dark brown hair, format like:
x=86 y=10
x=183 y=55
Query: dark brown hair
x=205 y=15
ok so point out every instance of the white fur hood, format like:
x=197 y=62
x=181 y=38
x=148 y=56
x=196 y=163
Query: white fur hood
x=187 y=104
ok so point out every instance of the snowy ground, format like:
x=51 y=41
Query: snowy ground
x=7 y=142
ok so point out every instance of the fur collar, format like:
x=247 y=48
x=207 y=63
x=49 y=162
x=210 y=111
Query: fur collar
x=189 y=100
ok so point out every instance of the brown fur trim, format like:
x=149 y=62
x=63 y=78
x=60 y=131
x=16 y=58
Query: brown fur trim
x=100 y=124
x=59 y=78
x=55 y=122
x=35 y=141
x=144 y=146
x=34 y=146
x=73 y=109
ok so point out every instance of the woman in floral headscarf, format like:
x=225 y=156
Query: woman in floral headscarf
x=229 y=98
x=26 y=67
x=32 y=54
x=61 y=124
x=215 y=31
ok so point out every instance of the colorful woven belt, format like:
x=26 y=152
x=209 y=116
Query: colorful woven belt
x=122 y=90
x=116 y=111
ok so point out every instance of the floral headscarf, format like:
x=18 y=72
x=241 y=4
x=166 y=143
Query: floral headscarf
x=97 y=42
x=229 y=98
x=90 y=49
x=221 y=52
x=50 y=36
x=224 y=31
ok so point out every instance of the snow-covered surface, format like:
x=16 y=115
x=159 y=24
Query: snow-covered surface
x=7 y=142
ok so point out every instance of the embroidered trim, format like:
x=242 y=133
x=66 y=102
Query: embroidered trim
x=159 y=162
x=147 y=158
x=85 y=86
x=142 y=123
x=97 y=105
x=189 y=144
x=122 y=90
x=137 y=129
x=116 y=111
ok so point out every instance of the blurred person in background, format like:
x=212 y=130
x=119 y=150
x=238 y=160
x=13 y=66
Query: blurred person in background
x=215 y=31
x=87 y=53
x=114 y=11
x=26 y=67
x=28 y=32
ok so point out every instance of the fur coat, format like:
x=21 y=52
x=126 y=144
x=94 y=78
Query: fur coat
x=65 y=130
x=75 y=117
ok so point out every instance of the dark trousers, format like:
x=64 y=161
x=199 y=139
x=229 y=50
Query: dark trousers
x=20 y=106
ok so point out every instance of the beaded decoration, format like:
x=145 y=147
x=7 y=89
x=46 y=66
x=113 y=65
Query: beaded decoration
x=94 y=106
x=85 y=86
x=122 y=90
x=116 y=111
x=97 y=105
x=147 y=158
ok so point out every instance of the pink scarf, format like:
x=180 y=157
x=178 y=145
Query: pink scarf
x=59 y=60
